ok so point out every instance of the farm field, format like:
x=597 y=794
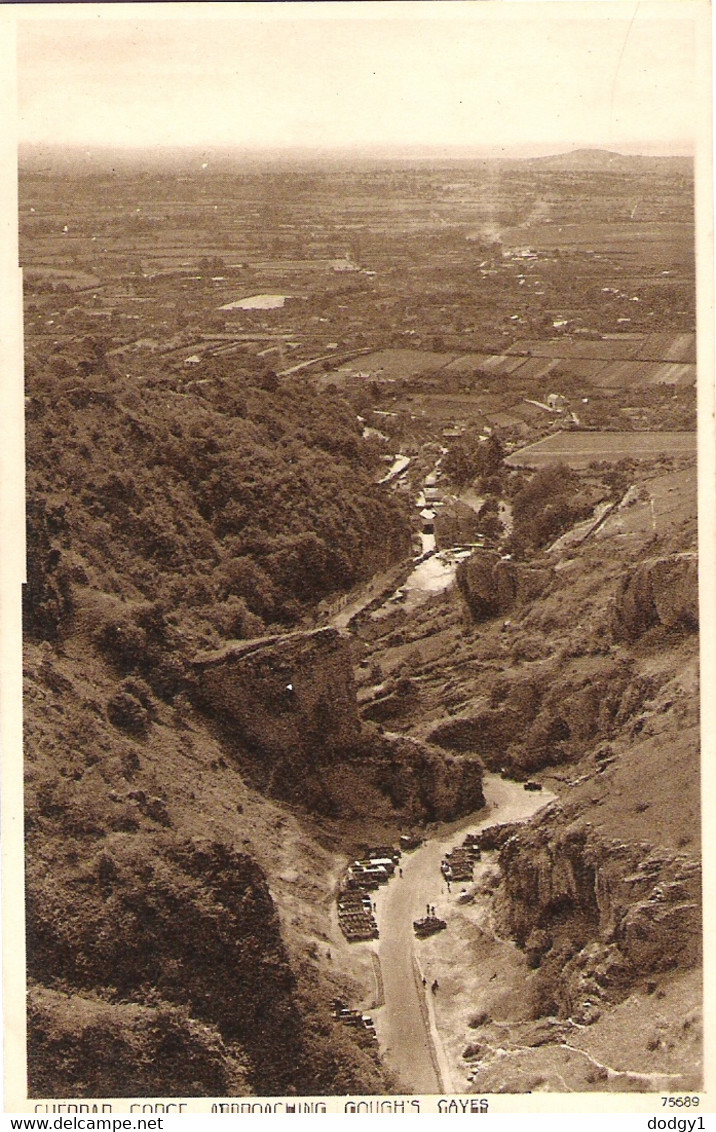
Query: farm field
x=578 y=449
x=619 y=362
x=609 y=237
x=614 y=368
x=394 y=363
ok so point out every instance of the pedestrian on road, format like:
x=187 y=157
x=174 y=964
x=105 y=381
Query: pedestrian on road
x=427 y=906
x=435 y=986
x=425 y=981
x=400 y=872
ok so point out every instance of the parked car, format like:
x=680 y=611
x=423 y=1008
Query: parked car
x=428 y=926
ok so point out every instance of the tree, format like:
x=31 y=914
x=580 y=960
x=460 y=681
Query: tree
x=459 y=464
x=269 y=381
x=492 y=456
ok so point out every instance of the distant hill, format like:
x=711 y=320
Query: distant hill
x=594 y=160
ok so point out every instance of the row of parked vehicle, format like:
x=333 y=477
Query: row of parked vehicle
x=458 y=864
x=377 y=865
x=374 y=868
x=355 y=916
x=342 y=1013
x=355 y=906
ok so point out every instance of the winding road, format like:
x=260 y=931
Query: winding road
x=405 y=1024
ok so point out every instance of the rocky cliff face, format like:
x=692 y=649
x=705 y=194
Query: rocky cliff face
x=400 y=778
x=159 y=959
x=194 y=922
x=289 y=700
x=491 y=585
x=596 y=915
x=660 y=591
x=291 y=703
x=489 y=732
x=526 y=725
x=423 y=782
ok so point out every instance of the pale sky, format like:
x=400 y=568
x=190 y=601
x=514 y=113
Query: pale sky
x=358 y=74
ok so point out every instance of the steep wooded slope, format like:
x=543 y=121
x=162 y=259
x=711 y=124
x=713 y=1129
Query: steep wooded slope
x=159 y=524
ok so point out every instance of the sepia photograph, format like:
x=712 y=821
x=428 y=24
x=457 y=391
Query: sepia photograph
x=365 y=380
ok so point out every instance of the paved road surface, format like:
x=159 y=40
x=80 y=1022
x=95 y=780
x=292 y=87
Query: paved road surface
x=405 y=1025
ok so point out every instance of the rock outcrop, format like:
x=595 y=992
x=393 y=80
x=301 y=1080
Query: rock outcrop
x=196 y=922
x=396 y=774
x=491 y=585
x=152 y=1047
x=289 y=696
x=393 y=702
x=489 y=733
x=440 y=788
x=528 y=726
x=596 y=914
x=660 y=591
x=288 y=706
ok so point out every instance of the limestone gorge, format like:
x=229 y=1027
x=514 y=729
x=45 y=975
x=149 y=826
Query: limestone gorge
x=579 y=932
x=370 y=608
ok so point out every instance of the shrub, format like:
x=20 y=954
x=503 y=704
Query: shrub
x=128 y=713
x=83 y=1047
x=478 y=1020
x=125 y=644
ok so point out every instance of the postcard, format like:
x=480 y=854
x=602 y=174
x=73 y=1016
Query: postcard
x=358 y=470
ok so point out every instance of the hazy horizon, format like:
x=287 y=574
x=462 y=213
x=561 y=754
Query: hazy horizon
x=546 y=149
x=203 y=160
